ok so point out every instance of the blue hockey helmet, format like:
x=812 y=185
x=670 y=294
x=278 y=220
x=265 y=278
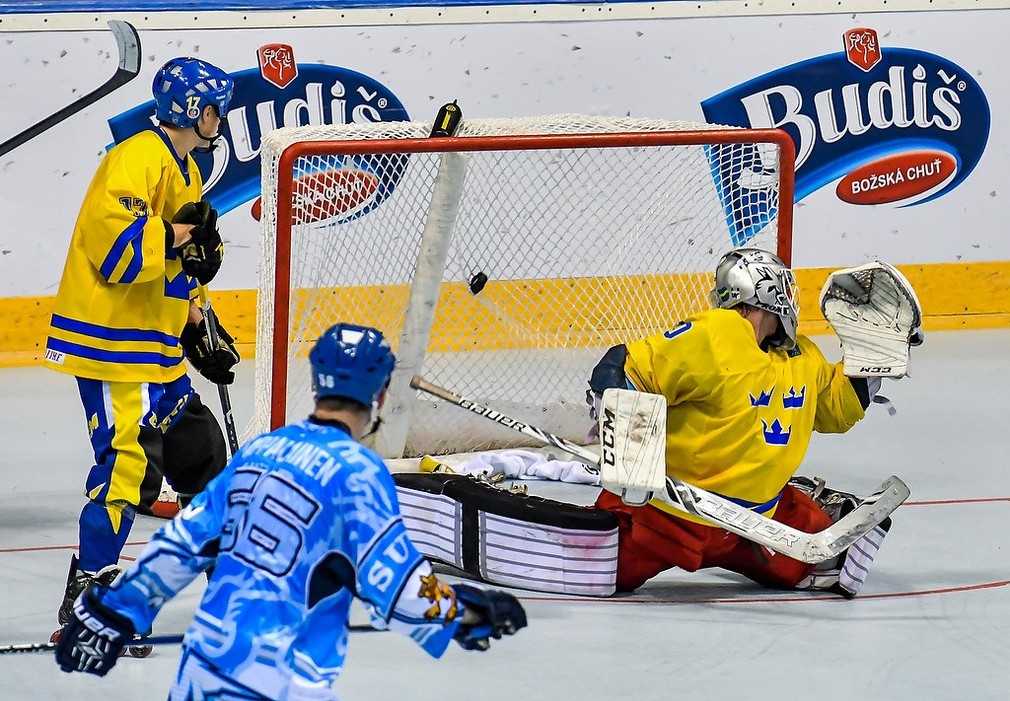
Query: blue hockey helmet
x=184 y=86
x=351 y=361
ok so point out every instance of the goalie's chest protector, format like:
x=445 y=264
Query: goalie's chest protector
x=510 y=539
x=740 y=419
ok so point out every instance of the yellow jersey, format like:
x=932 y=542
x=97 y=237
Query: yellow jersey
x=123 y=299
x=740 y=418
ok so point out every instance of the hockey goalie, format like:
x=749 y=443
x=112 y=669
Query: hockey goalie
x=742 y=393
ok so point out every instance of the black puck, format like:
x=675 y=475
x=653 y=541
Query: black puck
x=477 y=282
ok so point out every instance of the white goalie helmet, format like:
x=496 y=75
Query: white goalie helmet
x=763 y=280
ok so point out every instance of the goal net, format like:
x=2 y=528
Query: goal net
x=501 y=264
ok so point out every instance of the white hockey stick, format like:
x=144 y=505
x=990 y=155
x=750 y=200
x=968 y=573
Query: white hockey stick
x=806 y=547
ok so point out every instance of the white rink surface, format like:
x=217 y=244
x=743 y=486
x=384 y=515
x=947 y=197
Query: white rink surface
x=933 y=623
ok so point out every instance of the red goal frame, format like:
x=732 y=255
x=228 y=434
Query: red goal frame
x=285 y=185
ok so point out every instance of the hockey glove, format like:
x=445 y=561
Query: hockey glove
x=877 y=317
x=213 y=362
x=94 y=637
x=500 y=614
x=201 y=257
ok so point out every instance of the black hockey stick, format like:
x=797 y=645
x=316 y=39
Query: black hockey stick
x=717 y=510
x=222 y=390
x=128 y=43
x=149 y=640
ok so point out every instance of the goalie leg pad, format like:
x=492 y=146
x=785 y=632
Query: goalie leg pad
x=509 y=539
x=845 y=574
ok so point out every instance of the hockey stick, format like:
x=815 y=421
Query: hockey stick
x=150 y=640
x=128 y=43
x=807 y=547
x=222 y=390
x=591 y=459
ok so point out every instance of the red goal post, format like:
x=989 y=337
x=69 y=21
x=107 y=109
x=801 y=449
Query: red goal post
x=503 y=262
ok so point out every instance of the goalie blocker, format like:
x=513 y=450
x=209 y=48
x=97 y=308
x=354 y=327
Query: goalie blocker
x=507 y=538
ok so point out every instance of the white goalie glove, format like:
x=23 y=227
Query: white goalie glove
x=876 y=315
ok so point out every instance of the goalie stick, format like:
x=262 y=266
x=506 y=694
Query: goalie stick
x=141 y=641
x=128 y=43
x=811 y=548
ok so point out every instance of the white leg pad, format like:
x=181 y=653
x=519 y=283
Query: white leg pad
x=846 y=574
x=509 y=539
x=858 y=559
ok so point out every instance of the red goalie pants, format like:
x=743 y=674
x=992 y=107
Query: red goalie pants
x=651 y=541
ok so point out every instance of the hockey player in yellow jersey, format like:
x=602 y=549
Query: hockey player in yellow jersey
x=126 y=316
x=745 y=393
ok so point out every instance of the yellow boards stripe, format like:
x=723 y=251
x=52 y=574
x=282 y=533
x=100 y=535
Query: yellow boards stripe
x=953 y=296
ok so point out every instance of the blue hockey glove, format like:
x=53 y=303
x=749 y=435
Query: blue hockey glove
x=94 y=637
x=500 y=614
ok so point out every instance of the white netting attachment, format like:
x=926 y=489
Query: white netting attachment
x=502 y=264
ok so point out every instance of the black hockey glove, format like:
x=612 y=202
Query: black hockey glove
x=213 y=362
x=201 y=257
x=94 y=637
x=500 y=613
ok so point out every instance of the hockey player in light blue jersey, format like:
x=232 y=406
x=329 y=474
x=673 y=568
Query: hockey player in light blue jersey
x=300 y=522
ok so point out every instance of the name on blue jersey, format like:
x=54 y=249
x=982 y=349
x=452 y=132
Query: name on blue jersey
x=306 y=457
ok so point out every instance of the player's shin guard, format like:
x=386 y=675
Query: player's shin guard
x=508 y=538
x=104 y=529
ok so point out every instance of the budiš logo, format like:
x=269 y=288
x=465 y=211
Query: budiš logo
x=282 y=93
x=891 y=125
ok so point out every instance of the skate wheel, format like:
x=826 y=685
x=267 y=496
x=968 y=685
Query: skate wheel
x=141 y=651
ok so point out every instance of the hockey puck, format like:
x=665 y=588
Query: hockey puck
x=477 y=282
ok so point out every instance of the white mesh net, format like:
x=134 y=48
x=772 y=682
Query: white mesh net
x=582 y=246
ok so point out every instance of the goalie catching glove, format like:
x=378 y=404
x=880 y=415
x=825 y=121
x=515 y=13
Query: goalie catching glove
x=201 y=257
x=876 y=315
x=499 y=613
x=212 y=361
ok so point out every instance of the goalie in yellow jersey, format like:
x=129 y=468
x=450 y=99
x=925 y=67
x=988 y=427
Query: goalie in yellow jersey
x=126 y=316
x=745 y=393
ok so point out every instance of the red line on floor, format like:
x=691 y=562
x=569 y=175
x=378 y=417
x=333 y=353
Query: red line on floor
x=983 y=500
x=785 y=599
x=40 y=548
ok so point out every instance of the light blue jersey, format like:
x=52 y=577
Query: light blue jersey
x=302 y=520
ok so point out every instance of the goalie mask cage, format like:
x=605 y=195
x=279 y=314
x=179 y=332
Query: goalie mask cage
x=501 y=263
